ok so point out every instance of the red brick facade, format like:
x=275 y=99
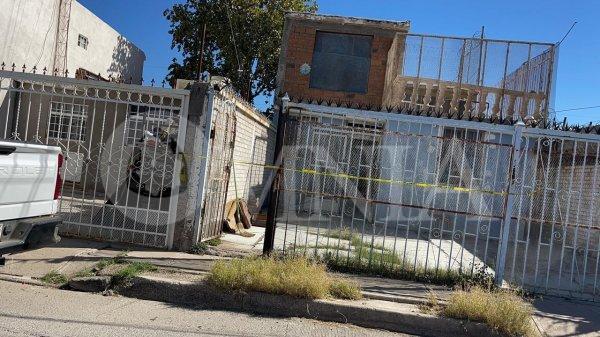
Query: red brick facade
x=299 y=42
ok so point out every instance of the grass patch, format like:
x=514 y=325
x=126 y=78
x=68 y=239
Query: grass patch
x=124 y=276
x=503 y=311
x=214 y=242
x=432 y=306
x=85 y=273
x=118 y=259
x=375 y=259
x=199 y=248
x=342 y=234
x=105 y=263
x=134 y=269
x=54 y=277
x=394 y=267
x=345 y=289
x=293 y=276
x=376 y=256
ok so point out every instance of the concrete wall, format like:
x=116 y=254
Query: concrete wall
x=28 y=32
x=28 y=36
x=108 y=52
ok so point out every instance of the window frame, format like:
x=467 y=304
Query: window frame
x=75 y=129
x=85 y=43
x=347 y=89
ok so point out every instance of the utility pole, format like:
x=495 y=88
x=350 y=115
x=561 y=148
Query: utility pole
x=202 y=52
x=62 y=37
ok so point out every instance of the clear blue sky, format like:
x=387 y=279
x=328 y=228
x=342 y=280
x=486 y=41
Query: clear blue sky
x=578 y=81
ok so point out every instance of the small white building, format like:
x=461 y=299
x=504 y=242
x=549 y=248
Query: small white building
x=31 y=29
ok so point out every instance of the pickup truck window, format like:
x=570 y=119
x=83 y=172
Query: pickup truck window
x=67 y=121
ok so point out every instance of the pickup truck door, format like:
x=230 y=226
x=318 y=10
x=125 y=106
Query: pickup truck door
x=28 y=176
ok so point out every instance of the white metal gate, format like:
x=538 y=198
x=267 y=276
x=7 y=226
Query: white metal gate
x=554 y=237
x=439 y=197
x=123 y=168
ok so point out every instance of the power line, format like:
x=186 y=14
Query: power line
x=580 y=108
x=568 y=32
x=46 y=35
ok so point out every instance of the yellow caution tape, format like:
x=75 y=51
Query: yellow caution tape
x=378 y=180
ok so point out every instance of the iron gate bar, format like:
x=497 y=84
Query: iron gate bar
x=509 y=203
x=447 y=229
x=76 y=102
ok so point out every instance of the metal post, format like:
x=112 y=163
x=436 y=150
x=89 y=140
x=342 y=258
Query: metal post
x=274 y=195
x=203 y=173
x=509 y=201
x=480 y=56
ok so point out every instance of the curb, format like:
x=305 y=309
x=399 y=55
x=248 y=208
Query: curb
x=407 y=299
x=25 y=280
x=392 y=316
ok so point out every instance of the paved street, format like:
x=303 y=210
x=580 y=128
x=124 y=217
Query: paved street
x=36 y=311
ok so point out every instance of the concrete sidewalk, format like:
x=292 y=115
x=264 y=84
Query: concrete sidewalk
x=554 y=316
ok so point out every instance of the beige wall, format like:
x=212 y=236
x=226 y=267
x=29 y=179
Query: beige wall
x=28 y=30
x=254 y=143
x=108 y=52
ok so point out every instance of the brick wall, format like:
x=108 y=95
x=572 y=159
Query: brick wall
x=299 y=42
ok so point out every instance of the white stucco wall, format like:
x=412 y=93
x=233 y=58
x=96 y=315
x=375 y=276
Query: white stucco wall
x=28 y=32
x=28 y=36
x=108 y=52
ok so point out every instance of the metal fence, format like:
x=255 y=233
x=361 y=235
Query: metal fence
x=122 y=169
x=219 y=140
x=434 y=195
x=476 y=76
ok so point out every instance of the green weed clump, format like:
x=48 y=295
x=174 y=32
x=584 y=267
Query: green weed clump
x=293 y=276
x=504 y=311
x=54 y=277
x=134 y=269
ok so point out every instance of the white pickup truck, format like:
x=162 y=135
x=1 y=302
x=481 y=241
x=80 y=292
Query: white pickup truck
x=30 y=186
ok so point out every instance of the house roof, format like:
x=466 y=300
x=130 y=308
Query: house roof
x=402 y=26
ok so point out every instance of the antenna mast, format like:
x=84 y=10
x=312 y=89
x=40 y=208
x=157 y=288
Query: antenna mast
x=62 y=37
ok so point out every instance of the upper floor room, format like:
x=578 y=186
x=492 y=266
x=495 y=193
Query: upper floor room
x=64 y=36
x=377 y=63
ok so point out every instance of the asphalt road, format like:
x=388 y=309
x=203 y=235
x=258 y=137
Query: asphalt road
x=37 y=311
